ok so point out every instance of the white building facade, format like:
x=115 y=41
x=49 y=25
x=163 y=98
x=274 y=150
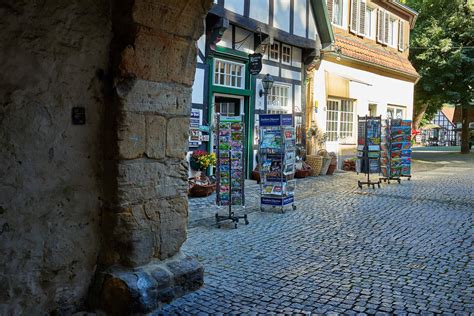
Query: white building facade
x=366 y=72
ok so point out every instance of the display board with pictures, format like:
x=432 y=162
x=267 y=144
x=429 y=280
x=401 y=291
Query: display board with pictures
x=277 y=159
x=230 y=160
x=396 y=149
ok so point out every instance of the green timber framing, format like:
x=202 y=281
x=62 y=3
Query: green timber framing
x=241 y=57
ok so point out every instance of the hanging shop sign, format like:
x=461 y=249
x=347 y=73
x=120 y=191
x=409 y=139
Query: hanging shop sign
x=255 y=63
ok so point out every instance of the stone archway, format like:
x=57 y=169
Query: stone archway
x=105 y=197
x=146 y=216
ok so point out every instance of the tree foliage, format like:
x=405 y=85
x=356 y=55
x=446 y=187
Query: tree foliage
x=442 y=50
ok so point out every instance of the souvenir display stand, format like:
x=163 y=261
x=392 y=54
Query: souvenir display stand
x=396 y=150
x=230 y=167
x=368 y=148
x=277 y=160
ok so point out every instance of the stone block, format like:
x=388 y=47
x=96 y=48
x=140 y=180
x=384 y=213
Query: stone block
x=129 y=292
x=162 y=15
x=145 y=288
x=144 y=180
x=177 y=137
x=188 y=273
x=155 y=136
x=160 y=57
x=165 y=99
x=173 y=219
x=131 y=135
x=134 y=236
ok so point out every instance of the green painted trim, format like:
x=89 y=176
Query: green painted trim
x=232 y=53
x=210 y=98
x=232 y=91
x=250 y=127
x=323 y=23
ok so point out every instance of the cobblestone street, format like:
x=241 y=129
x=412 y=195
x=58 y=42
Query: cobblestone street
x=403 y=249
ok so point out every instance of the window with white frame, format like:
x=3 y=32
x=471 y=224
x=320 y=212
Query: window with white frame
x=370 y=23
x=278 y=97
x=229 y=74
x=358 y=17
x=286 y=54
x=396 y=112
x=393 y=32
x=275 y=51
x=335 y=10
x=340 y=120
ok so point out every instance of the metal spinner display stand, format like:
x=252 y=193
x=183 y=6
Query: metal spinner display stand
x=231 y=215
x=285 y=198
x=366 y=158
x=388 y=144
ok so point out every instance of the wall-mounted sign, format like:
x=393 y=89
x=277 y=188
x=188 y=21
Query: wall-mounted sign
x=255 y=63
x=78 y=115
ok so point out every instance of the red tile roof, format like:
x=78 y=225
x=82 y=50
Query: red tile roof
x=448 y=112
x=357 y=48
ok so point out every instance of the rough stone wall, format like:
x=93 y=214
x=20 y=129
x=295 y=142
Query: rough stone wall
x=52 y=55
x=146 y=216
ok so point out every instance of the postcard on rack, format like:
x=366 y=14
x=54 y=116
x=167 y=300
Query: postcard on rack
x=237 y=136
x=236 y=126
x=289 y=169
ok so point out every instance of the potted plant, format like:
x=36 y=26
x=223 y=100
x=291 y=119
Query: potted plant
x=201 y=160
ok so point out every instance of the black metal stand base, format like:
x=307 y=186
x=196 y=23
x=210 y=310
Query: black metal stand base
x=230 y=217
x=409 y=177
x=369 y=183
x=387 y=179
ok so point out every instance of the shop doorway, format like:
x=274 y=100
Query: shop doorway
x=228 y=106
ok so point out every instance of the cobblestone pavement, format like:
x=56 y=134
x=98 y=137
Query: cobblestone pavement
x=403 y=249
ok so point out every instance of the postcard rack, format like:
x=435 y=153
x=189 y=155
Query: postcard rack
x=396 y=150
x=230 y=167
x=277 y=158
x=368 y=148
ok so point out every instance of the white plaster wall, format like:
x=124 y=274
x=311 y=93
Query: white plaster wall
x=281 y=15
x=296 y=57
x=201 y=44
x=272 y=70
x=298 y=107
x=259 y=10
x=198 y=87
x=226 y=40
x=290 y=74
x=312 y=32
x=372 y=88
x=247 y=44
x=236 y=6
x=299 y=20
